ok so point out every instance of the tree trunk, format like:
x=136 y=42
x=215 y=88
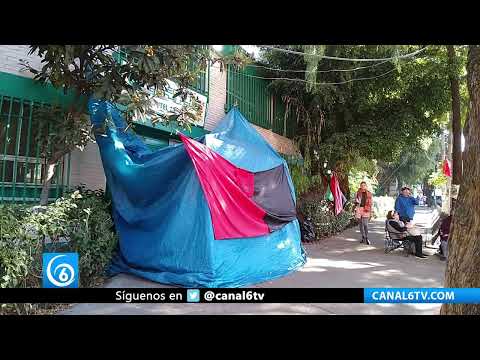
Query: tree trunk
x=456 y=119
x=464 y=245
x=343 y=181
x=50 y=172
x=466 y=130
x=446 y=202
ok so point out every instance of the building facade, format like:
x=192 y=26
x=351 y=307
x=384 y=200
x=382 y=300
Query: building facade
x=22 y=167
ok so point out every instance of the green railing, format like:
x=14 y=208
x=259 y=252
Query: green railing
x=256 y=102
x=21 y=166
x=201 y=85
x=250 y=95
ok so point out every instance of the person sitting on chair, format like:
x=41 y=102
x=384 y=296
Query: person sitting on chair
x=399 y=231
x=444 y=232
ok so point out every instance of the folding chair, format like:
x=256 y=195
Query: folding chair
x=393 y=244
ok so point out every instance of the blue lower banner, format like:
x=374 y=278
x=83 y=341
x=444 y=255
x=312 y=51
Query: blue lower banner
x=422 y=295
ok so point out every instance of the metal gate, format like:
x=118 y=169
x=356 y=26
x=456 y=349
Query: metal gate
x=21 y=166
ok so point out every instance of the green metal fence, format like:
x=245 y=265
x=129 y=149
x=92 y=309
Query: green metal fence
x=21 y=166
x=256 y=102
x=250 y=95
x=201 y=85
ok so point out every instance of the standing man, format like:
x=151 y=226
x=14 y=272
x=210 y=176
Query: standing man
x=364 y=201
x=405 y=205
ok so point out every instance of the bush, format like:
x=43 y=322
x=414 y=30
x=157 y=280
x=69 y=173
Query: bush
x=18 y=249
x=322 y=215
x=79 y=222
x=302 y=180
x=94 y=237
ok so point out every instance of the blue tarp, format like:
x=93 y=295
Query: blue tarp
x=162 y=216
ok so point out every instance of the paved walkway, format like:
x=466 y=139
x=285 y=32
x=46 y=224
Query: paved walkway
x=340 y=261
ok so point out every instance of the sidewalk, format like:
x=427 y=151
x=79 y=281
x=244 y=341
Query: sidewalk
x=339 y=261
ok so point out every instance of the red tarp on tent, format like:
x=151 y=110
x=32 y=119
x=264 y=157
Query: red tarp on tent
x=228 y=190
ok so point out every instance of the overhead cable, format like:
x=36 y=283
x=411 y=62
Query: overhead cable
x=319 y=71
x=342 y=58
x=325 y=83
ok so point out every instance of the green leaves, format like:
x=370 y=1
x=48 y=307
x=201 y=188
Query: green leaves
x=106 y=72
x=312 y=53
x=302 y=179
x=438 y=179
x=371 y=119
x=322 y=215
x=82 y=216
x=60 y=131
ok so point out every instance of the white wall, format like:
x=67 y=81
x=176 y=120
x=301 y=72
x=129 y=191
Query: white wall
x=217 y=96
x=10 y=56
x=86 y=168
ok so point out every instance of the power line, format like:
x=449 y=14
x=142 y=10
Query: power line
x=320 y=71
x=341 y=58
x=327 y=83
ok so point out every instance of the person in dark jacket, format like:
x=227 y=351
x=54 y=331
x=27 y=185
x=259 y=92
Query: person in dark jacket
x=398 y=230
x=444 y=234
x=405 y=205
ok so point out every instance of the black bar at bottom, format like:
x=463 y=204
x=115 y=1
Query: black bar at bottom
x=179 y=295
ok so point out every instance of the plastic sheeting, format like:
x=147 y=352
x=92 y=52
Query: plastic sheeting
x=228 y=191
x=242 y=203
x=162 y=216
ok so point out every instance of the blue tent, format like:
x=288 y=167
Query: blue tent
x=162 y=216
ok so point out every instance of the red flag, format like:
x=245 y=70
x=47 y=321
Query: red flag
x=337 y=194
x=446 y=168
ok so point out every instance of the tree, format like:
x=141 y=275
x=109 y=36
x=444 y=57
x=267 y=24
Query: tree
x=464 y=244
x=456 y=116
x=58 y=133
x=415 y=164
x=130 y=76
x=366 y=110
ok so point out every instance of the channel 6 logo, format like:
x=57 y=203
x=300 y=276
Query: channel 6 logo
x=60 y=270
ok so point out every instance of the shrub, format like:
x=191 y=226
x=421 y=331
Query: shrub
x=322 y=215
x=79 y=222
x=17 y=249
x=302 y=180
x=94 y=237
